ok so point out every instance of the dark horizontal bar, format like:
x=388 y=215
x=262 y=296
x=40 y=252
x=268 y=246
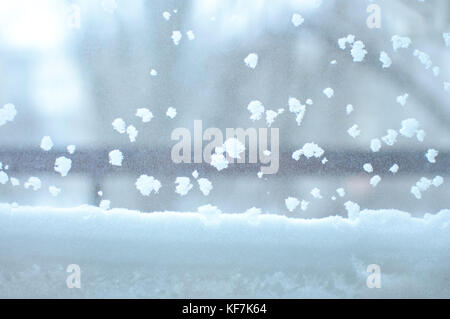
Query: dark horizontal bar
x=95 y=162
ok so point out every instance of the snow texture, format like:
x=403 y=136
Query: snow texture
x=63 y=165
x=54 y=191
x=34 y=183
x=190 y=34
x=205 y=186
x=342 y=42
x=132 y=133
x=354 y=131
x=385 y=59
x=251 y=60
x=291 y=203
x=375 y=145
x=7 y=113
x=349 y=109
x=423 y=58
x=297 y=108
x=341 y=192
x=166 y=15
x=270 y=117
x=115 y=157
x=446 y=37
x=431 y=155
x=105 y=204
x=218 y=160
x=176 y=37
x=125 y=253
x=423 y=184
x=256 y=109
x=399 y=42
x=119 y=125
x=144 y=114
x=368 y=167
x=409 y=127
x=183 y=185
x=71 y=148
x=147 y=184
x=46 y=143
x=297 y=19
x=171 y=112
x=375 y=180
x=358 y=51
x=329 y=92
x=233 y=147
x=315 y=192
x=308 y=150
x=401 y=99
x=390 y=138
x=14 y=181
x=3 y=178
x=394 y=169
x=304 y=205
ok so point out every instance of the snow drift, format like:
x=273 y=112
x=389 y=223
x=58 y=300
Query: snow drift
x=123 y=253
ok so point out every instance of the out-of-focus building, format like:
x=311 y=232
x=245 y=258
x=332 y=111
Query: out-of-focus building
x=70 y=83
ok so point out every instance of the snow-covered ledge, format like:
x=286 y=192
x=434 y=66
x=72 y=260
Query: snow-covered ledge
x=123 y=253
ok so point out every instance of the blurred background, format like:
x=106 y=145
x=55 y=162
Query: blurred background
x=69 y=79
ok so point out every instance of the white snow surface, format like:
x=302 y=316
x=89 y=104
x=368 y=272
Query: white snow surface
x=209 y=254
